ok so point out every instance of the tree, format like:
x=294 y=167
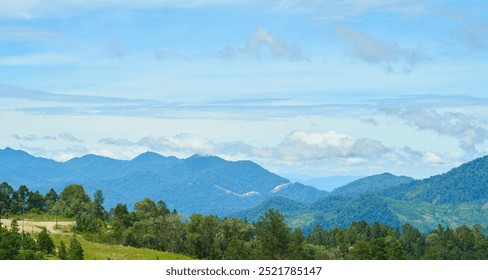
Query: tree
x=75 y=198
x=272 y=235
x=395 y=251
x=98 y=200
x=22 y=194
x=45 y=242
x=14 y=226
x=62 y=253
x=203 y=236
x=413 y=242
x=361 y=251
x=10 y=243
x=318 y=236
x=296 y=249
x=237 y=250
x=5 y=197
x=146 y=208
x=51 y=196
x=378 y=249
x=75 y=250
x=59 y=208
x=36 y=201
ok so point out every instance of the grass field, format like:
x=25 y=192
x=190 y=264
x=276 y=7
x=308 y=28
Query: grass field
x=92 y=251
x=97 y=251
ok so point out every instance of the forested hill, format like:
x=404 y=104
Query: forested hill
x=467 y=183
x=198 y=184
x=371 y=185
x=458 y=197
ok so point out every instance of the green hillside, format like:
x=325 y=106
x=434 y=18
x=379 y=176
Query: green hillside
x=98 y=251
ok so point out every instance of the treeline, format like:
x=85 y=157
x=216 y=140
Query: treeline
x=152 y=225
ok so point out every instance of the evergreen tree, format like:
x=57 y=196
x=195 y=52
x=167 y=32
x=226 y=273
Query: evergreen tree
x=62 y=253
x=273 y=236
x=45 y=242
x=296 y=249
x=75 y=250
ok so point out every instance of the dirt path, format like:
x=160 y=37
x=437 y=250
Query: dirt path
x=35 y=226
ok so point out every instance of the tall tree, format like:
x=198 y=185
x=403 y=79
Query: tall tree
x=272 y=235
x=75 y=251
x=45 y=242
x=98 y=200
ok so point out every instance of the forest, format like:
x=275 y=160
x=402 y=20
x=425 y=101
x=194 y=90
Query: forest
x=152 y=225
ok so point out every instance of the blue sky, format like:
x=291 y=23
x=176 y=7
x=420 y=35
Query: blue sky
x=314 y=88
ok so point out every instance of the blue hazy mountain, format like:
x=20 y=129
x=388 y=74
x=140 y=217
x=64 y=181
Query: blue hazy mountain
x=202 y=184
x=328 y=183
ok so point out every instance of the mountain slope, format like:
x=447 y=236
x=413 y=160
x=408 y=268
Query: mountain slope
x=463 y=184
x=458 y=197
x=371 y=185
x=203 y=184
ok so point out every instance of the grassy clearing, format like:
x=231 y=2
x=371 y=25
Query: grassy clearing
x=38 y=218
x=97 y=251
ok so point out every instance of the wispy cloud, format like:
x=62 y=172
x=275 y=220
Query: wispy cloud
x=469 y=131
x=51 y=8
x=475 y=34
x=32 y=137
x=169 y=54
x=12 y=92
x=391 y=56
x=26 y=34
x=116 y=49
x=62 y=136
x=261 y=43
x=44 y=59
x=340 y=9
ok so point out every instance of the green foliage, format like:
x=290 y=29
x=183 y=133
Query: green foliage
x=75 y=251
x=151 y=225
x=272 y=236
x=45 y=242
x=14 y=246
x=62 y=252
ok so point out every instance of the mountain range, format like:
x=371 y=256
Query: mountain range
x=455 y=198
x=198 y=184
x=212 y=185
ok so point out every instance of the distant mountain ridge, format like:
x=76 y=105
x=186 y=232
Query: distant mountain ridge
x=203 y=184
x=212 y=185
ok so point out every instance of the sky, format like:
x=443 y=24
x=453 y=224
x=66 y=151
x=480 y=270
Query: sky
x=309 y=88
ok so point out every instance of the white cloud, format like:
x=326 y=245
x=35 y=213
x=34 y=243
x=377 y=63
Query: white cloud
x=298 y=146
x=469 y=131
x=303 y=145
x=430 y=157
x=260 y=45
x=69 y=137
x=390 y=56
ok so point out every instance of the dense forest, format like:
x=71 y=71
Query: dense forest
x=152 y=225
